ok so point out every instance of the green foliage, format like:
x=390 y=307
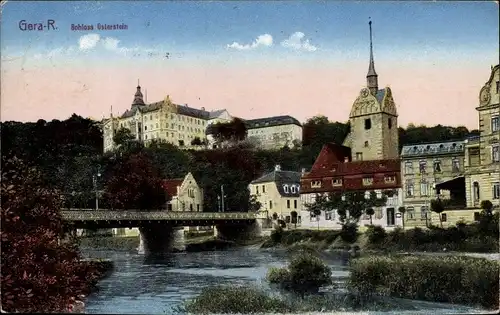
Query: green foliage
x=370 y=212
x=196 y=141
x=277 y=235
x=487 y=206
x=254 y=204
x=349 y=232
x=234 y=300
x=122 y=136
x=305 y=274
x=449 y=279
x=376 y=234
x=234 y=130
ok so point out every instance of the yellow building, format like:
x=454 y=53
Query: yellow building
x=423 y=168
x=482 y=155
x=278 y=192
x=164 y=120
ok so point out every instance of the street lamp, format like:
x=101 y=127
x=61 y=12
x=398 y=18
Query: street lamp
x=94 y=180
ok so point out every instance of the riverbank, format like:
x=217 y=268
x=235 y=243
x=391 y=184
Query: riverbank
x=377 y=240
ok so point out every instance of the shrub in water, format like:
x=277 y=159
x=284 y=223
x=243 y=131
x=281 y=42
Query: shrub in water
x=277 y=235
x=233 y=300
x=279 y=276
x=452 y=279
x=308 y=273
x=376 y=234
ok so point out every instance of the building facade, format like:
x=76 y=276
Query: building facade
x=278 y=192
x=274 y=132
x=482 y=154
x=179 y=125
x=368 y=161
x=185 y=193
x=424 y=168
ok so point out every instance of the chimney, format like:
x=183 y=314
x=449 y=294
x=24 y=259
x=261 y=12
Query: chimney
x=277 y=168
x=203 y=108
x=303 y=171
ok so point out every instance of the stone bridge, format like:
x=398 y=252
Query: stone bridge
x=159 y=229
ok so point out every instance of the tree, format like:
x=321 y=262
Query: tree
x=122 y=136
x=294 y=216
x=39 y=274
x=320 y=204
x=350 y=205
x=487 y=207
x=437 y=206
x=254 y=204
x=275 y=216
x=235 y=130
x=196 y=141
x=135 y=183
x=402 y=210
x=370 y=212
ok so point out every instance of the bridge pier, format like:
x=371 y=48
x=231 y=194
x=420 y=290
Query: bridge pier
x=159 y=238
x=235 y=231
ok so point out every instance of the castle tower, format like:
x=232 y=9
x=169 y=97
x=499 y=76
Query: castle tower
x=138 y=98
x=373 y=120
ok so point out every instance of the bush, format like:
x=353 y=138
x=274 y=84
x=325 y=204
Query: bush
x=349 y=232
x=234 y=300
x=305 y=274
x=277 y=235
x=449 y=279
x=376 y=234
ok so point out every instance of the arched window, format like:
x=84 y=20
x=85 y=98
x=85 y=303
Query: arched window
x=285 y=188
x=476 y=191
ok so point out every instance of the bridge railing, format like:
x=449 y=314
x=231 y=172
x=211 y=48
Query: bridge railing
x=134 y=215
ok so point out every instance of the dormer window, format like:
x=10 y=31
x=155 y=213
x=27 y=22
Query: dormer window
x=293 y=189
x=389 y=179
x=337 y=182
x=316 y=184
x=367 y=181
x=285 y=188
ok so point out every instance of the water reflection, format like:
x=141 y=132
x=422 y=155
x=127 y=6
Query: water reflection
x=157 y=284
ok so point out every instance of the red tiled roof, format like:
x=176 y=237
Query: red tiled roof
x=329 y=154
x=170 y=185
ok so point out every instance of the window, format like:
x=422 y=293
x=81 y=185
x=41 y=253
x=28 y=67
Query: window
x=495 y=152
x=181 y=143
x=368 y=124
x=443 y=217
x=367 y=181
x=476 y=191
x=316 y=184
x=288 y=203
x=409 y=188
x=190 y=207
x=328 y=215
x=257 y=190
x=437 y=166
x=337 y=182
x=264 y=188
x=389 y=123
x=145 y=127
x=366 y=144
x=410 y=213
x=496 y=190
x=423 y=212
x=424 y=188
x=293 y=189
x=389 y=178
x=359 y=156
x=455 y=165
x=409 y=167
x=198 y=207
x=422 y=166
x=495 y=126
x=270 y=204
x=285 y=188
x=295 y=204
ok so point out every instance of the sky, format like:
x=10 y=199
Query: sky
x=255 y=59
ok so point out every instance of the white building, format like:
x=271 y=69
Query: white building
x=274 y=132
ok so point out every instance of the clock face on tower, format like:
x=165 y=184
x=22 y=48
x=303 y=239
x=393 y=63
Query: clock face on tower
x=484 y=95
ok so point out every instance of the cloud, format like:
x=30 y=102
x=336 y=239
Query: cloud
x=297 y=42
x=265 y=40
x=89 y=41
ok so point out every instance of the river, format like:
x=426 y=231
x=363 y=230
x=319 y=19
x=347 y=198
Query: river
x=156 y=286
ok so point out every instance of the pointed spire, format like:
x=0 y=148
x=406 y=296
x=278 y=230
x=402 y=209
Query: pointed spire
x=111 y=112
x=372 y=77
x=138 y=100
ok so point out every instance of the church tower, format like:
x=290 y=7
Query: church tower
x=373 y=120
x=138 y=98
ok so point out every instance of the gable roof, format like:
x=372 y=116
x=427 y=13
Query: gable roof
x=181 y=109
x=331 y=153
x=170 y=186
